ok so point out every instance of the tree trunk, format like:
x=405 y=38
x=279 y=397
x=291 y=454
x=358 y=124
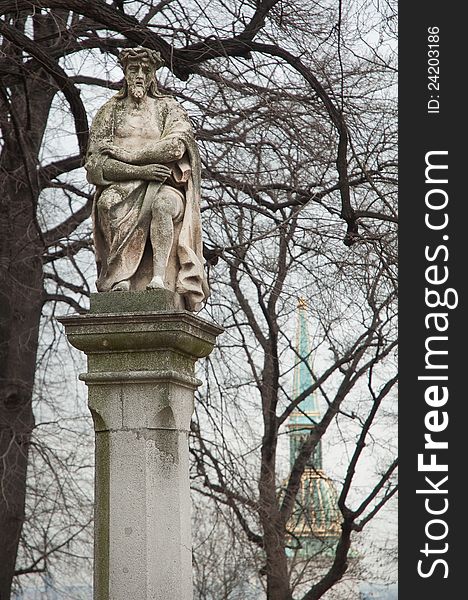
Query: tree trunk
x=273 y=533
x=21 y=299
x=278 y=586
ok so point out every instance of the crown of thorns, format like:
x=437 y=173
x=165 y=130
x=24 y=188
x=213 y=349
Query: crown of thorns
x=140 y=53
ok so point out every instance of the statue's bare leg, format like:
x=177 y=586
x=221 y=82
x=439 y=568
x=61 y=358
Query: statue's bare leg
x=167 y=208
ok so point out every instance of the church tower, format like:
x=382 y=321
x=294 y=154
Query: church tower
x=315 y=524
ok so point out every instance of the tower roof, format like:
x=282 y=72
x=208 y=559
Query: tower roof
x=317 y=512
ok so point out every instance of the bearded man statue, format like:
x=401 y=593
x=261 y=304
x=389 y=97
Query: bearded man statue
x=144 y=161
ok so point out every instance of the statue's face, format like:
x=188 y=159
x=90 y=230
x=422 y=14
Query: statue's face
x=138 y=75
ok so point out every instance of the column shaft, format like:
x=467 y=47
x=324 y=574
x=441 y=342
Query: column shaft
x=141 y=385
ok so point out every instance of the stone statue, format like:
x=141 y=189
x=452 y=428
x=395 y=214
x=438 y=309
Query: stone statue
x=144 y=162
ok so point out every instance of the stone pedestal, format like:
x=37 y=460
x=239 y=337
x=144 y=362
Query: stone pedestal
x=141 y=358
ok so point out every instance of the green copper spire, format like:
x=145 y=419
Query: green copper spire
x=307 y=413
x=316 y=521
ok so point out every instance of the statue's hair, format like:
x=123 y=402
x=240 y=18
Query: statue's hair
x=137 y=54
x=141 y=53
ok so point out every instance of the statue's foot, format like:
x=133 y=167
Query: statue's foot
x=156 y=283
x=121 y=286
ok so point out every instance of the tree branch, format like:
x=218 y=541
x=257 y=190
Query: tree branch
x=61 y=78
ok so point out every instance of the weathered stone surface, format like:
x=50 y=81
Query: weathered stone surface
x=144 y=161
x=141 y=381
x=139 y=301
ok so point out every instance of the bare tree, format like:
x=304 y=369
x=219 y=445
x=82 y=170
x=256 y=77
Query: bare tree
x=293 y=106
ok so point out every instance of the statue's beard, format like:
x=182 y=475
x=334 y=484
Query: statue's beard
x=137 y=90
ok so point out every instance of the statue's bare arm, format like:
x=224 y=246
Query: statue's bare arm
x=116 y=170
x=163 y=151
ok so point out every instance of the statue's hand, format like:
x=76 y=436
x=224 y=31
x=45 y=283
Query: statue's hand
x=157 y=172
x=117 y=152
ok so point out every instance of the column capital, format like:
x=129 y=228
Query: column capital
x=137 y=322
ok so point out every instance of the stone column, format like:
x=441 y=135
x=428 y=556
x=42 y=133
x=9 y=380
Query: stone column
x=141 y=358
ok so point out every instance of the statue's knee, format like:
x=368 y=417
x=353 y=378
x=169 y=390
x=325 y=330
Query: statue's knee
x=169 y=202
x=162 y=205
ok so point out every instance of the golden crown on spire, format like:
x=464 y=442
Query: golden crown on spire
x=302 y=303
